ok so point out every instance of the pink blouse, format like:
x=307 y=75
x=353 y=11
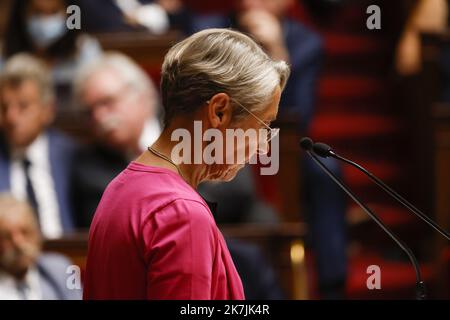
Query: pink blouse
x=154 y=237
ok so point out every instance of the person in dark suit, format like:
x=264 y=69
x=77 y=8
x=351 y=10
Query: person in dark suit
x=121 y=105
x=25 y=272
x=35 y=161
x=258 y=275
x=155 y=16
x=290 y=40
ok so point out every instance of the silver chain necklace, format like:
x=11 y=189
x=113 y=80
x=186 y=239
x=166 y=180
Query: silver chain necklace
x=159 y=154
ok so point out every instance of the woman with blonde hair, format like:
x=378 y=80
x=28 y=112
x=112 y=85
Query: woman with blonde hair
x=153 y=236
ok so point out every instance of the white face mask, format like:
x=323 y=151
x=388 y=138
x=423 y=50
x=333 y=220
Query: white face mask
x=45 y=30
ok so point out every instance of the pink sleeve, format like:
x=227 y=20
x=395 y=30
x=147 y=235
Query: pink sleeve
x=180 y=242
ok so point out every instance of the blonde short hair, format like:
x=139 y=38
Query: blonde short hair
x=22 y=67
x=218 y=60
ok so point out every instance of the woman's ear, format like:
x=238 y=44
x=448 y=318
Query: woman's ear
x=220 y=111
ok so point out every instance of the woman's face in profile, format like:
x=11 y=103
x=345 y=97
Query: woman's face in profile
x=244 y=149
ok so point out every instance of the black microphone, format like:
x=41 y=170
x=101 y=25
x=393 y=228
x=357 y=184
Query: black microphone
x=323 y=150
x=307 y=145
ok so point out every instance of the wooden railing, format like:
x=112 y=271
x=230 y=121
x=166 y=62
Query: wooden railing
x=436 y=133
x=146 y=49
x=4 y=12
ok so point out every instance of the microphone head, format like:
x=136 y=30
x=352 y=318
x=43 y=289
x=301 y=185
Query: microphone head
x=321 y=149
x=306 y=143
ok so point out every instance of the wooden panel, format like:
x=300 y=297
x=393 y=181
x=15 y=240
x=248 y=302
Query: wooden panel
x=442 y=170
x=289 y=176
x=439 y=141
x=146 y=49
x=4 y=12
x=442 y=196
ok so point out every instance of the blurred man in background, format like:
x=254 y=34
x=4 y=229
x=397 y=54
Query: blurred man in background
x=284 y=38
x=153 y=16
x=35 y=161
x=121 y=104
x=25 y=273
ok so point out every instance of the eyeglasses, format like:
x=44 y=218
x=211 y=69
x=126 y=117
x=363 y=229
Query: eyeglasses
x=108 y=100
x=270 y=132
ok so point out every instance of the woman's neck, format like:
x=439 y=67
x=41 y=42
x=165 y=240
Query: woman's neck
x=192 y=173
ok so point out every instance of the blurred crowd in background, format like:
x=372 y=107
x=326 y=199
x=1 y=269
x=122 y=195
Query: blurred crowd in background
x=51 y=180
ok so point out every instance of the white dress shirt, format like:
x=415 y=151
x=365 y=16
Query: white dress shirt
x=149 y=134
x=27 y=289
x=42 y=182
x=152 y=16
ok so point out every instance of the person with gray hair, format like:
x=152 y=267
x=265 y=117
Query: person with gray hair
x=35 y=161
x=25 y=272
x=120 y=100
x=152 y=229
x=121 y=105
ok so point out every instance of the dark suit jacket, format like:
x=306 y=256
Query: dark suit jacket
x=305 y=50
x=259 y=279
x=61 y=153
x=105 y=16
x=95 y=168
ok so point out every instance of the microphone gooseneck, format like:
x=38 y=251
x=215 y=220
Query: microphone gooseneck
x=323 y=150
x=420 y=284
